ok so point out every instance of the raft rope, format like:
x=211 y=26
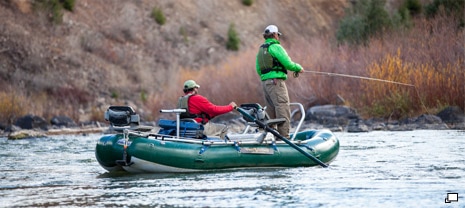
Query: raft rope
x=275 y=148
x=126 y=159
x=236 y=146
x=203 y=149
x=368 y=78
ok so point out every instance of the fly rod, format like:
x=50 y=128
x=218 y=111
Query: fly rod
x=358 y=77
x=366 y=78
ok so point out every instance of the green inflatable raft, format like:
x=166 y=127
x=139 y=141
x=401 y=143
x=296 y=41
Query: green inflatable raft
x=179 y=146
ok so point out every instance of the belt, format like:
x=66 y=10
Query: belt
x=274 y=80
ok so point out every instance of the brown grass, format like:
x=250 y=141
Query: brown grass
x=11 y=105
x=428 y=56
x=69 y=102
x=233 y=80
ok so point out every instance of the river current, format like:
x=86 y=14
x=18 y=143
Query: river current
x=418 y=168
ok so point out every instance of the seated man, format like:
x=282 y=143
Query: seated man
x=201 y=110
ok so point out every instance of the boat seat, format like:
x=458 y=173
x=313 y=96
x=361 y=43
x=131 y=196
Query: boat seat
x=189 y=120
x=186 y=129
x=269 y=122
x=259 y=113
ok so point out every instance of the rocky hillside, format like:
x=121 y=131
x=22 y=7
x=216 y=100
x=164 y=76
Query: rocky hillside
x=108 y=46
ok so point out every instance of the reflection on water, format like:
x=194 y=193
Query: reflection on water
x=376 y=169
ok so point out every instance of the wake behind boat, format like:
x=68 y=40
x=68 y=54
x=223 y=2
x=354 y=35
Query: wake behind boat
x=180 y=146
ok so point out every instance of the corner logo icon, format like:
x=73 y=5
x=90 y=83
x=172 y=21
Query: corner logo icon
x=452 y=197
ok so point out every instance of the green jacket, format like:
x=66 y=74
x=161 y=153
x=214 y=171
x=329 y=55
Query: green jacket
x=277 y=51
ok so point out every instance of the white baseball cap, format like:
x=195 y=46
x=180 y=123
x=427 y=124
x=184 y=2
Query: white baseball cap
x=271 y=29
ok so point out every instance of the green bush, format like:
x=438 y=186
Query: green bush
x=183 y=33
x=114 y=95
x=414 y=7
x=365 y=19
x=396 y=105
x=233 y=39
x=352 y=30
x=143 y=96
x=402 y=17
x=68 y=4
x=455 y=8
x=409 y=9
x=57 y=11
x=158 y=16
x=54 y=8
x=247 y=2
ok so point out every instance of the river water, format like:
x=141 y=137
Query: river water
x=376 y=169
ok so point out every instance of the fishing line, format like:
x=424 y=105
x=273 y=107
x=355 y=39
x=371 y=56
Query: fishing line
x=358 y=77
x=371 y=79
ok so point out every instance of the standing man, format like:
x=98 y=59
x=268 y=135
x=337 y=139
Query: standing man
x=272 y=64
x=202 y=110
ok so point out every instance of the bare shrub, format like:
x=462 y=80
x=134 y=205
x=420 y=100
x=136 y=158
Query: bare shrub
x=11 y=106
x=429 y=56
x=96 y=114
x=235 y=79
x=426 y=56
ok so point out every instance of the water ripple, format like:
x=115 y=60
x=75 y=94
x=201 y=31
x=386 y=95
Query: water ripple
x=375 y=169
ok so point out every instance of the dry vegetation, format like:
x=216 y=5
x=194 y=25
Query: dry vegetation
x=118 y=55
x=429 y=56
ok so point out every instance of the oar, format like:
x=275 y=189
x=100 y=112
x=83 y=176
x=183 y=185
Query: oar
x=274 y=132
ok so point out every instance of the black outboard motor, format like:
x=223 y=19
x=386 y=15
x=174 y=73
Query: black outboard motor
x=122 y=117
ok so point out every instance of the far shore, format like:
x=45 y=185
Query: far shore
x=234 y=127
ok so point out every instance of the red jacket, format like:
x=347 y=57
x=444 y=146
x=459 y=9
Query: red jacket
x=199 y=104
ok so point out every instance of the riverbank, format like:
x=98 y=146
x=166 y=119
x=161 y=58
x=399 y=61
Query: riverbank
x=35 y=133
x=333 y=117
